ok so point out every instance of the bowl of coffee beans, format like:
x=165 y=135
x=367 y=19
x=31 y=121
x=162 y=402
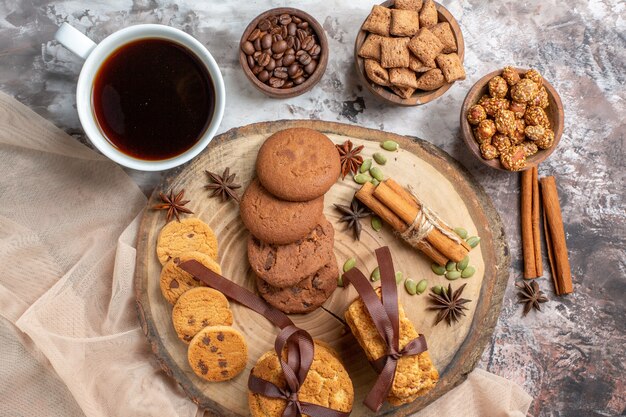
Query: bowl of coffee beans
x=284 y=52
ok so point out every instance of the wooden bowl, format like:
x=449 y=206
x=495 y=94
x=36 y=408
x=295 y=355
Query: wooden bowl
x=312 y=80
x=554 y=113
x=419 y=97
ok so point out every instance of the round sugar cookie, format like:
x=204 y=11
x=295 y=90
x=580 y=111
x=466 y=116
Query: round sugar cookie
x=298 y=164
x=197 y=308
x=286 y=265
x=190 y=234
x=174 y=281
x=277 y=221
x=327 y=384
x=217 y=353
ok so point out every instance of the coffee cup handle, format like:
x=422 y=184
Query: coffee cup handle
x=74 y=40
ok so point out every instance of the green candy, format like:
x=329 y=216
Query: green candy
x=450 y=266
x=349 y=264
x=421 y=286
x=399 y=277
x=375 y=275
x=463 y=264
x=366 y=165
x=362 y=178
x=410 y=286
x=452 y=275
x=468 y=272
x=459 y=231
x=377 y=173
x=438 y=269
x=377 y=223
x=380 y=158
x=473 y=241
x=389 y=145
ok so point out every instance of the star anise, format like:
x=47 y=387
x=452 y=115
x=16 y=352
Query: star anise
x=349 y=157
x=531 y=296
x=174 y=204
x=449 y=304
x=223 y=185
x=352 y=215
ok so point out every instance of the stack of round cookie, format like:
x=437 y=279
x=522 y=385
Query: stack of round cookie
x=291 y=244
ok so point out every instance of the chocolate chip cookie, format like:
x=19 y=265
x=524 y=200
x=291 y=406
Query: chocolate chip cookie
x=277 y=221
x=286 y=265
x=305 y=296
x=191 y=234
x=217 y=353
x=198 y=308
x=174 y=281
x=327 y=384
x=298 y=164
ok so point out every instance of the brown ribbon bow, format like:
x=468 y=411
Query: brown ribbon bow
x=385 y=316
x=298 y=342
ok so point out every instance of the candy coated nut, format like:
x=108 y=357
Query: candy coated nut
x=524 y=91
x=530 y=148
x=514 y=159
x=476 y=114
x=510 y=76
x=488 y=151
x=485 y=130
x=518 y=109
x=498 y=87
x=535 y=133
x=533 y=74
x=492 y=105
x=547 y=141
x=505 y=122
x=501 y=142
x=542 y=99
x=536 y=116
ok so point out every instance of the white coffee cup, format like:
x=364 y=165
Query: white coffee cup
x=95 y=54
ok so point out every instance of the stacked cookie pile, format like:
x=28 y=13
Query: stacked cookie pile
x=291 y=244
x=201 y=316
x=408 y=49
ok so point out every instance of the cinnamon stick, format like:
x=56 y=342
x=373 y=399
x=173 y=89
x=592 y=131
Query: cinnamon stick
x=402 y=192
x=528 y=242
x=408 y=211
x=555 y=237
x=535 y=222
x=366 y=196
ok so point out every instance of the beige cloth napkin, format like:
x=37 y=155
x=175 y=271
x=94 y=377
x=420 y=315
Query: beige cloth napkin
x=70 y=342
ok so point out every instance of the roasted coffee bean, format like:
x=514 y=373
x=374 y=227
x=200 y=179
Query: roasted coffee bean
x=280 y=62
x=257 y=44
x=304 y=59
x=276 y=38
x=279 y=47
x=303 y=25
x=263 y=76
x=288 y=84
x=296 y=44
x=266 y=41
x=284 y=32
x=290 y=42
x=301 y=34
x=284 y=19
x=308 y=43
x=315 y=51
x=289 y=59
x=299 y=80
x=281 y=72
x=264 y=25
x=255 y=34
x=278 y=56
x=247 y=48
x=257 y=69
x=290 y=51
x=264 y=59
x=256 y=55
x=276 y=82
x=310 y=67
x=293 y=69
x=296 y=19
x=274 y=20
x=292 y=28
x=251 y=61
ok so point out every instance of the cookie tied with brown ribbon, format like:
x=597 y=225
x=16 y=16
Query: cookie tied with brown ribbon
x=394 y=347
x=296 y=353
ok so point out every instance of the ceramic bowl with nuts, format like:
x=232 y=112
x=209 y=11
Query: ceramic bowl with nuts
x=284 y=52
x=512 y=119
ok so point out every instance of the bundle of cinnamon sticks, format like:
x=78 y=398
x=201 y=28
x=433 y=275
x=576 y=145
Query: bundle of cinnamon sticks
x=553 y=229
x=398 y=207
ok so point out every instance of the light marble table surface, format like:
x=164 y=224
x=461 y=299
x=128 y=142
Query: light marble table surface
x=571 y=356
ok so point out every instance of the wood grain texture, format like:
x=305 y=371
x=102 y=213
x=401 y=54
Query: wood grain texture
x=440 y=182
x=419 y=97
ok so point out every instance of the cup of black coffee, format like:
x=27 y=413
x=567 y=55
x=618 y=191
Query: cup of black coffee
x=149 y=97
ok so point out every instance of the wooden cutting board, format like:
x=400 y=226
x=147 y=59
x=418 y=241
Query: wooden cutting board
x=439 y=180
